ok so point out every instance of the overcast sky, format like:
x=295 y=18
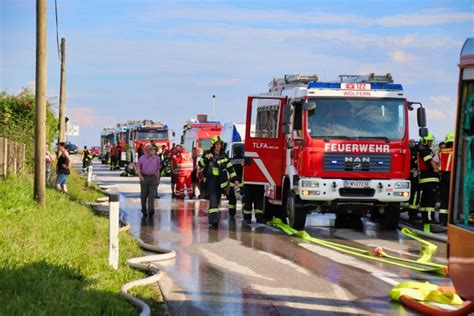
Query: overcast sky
x=163 y=60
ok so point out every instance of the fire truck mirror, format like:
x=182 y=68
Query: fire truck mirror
x=287 y=115
x=308 y=106
x=421 y=117
x=423 y=131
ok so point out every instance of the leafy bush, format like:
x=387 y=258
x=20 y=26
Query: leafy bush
x=17 y=120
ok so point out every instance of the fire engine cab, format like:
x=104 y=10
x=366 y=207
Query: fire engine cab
x=337 y=147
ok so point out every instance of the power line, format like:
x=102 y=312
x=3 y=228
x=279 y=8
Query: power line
x=57 y=28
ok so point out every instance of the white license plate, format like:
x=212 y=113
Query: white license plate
x=356 y=184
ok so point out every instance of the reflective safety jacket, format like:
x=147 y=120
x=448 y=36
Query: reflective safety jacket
x=238 y=164
x=183 y=162
x=217 y=166
x=427 y=173
x=446 y=159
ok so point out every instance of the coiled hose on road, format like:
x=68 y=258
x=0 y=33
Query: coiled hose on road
x=145 y=264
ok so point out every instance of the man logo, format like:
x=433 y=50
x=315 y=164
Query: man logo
x=357 y=159
x=357 y=166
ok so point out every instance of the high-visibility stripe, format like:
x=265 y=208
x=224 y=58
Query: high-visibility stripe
x=443 y=211
x=232 y=206
x=427 y=209
x=230 y=165
x=224 y=185
x=257 y=211
x=232 y=175
x=428 y=180
x=426 y=158
x=247 y=212
x=213 y=210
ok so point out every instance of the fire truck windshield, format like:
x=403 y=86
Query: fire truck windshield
x=155 y=135
x=357 y=118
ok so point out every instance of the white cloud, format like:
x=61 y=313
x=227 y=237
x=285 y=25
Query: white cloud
x=435 y=114
x=222 y=14
x=425 y=18
x=400 y=57
x=442 y=100
x=87 y=117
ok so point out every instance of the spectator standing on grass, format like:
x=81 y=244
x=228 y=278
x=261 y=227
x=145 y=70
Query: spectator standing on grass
x=49 y=160
x=148 y=170
x=63 y=167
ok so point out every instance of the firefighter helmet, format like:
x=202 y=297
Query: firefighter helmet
x=449 y=137
x=427 y=138
x=215 y=139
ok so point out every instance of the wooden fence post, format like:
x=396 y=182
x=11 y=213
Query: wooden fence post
x=11 y=157
x=20 y=156
x=3 y=157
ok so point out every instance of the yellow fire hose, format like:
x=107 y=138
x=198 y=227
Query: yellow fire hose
x=422 y=264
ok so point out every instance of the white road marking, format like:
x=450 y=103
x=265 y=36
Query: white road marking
x=231 y=265
x=347 y=260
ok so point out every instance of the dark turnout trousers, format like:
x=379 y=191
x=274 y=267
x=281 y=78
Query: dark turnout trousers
x=148 y=192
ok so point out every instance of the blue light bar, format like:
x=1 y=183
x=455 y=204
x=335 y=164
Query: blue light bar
x=373 y=86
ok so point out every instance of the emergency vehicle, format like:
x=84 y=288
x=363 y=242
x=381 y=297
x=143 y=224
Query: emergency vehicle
x=460 y=248
x=233 y=136
x=198 y=133
x=145 y=131
x=106 y=139
x=120 y=133
x=330 y=146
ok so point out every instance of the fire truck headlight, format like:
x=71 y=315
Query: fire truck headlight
x=309 y=184
x=402 y=185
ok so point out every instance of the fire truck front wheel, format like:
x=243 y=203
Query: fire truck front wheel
x=296 y=215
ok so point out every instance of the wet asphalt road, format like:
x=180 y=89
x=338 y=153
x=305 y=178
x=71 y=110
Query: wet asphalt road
x=239 y=269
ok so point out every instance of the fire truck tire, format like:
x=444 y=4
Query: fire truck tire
x=272 y=210
x=296 y=215
x=390 y=218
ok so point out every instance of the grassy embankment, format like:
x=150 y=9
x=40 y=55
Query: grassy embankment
x=54 y=261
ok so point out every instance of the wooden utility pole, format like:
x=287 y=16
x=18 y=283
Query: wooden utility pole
x=62 y=93
x=40 y=99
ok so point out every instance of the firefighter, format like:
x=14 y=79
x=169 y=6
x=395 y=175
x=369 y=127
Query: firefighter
x=113 y=156
x=173 y=170
x=184 y=167
x=413 y=204
x=446 y=165
x=428 y=180
x=238 y=164
x=218 y=170
x=86 y=159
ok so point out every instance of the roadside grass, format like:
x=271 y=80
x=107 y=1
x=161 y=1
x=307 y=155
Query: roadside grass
x=77 y=188
x=54 y=261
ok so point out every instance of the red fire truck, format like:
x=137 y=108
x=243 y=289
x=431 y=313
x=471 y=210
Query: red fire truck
x=146 y=131
x=198 y=133
x=330 y=146
x=106 y=139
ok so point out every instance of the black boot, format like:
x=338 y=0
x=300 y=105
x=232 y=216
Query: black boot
x=260 y=219
x=214 y=219
x=443 y=218
x=248 y=219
